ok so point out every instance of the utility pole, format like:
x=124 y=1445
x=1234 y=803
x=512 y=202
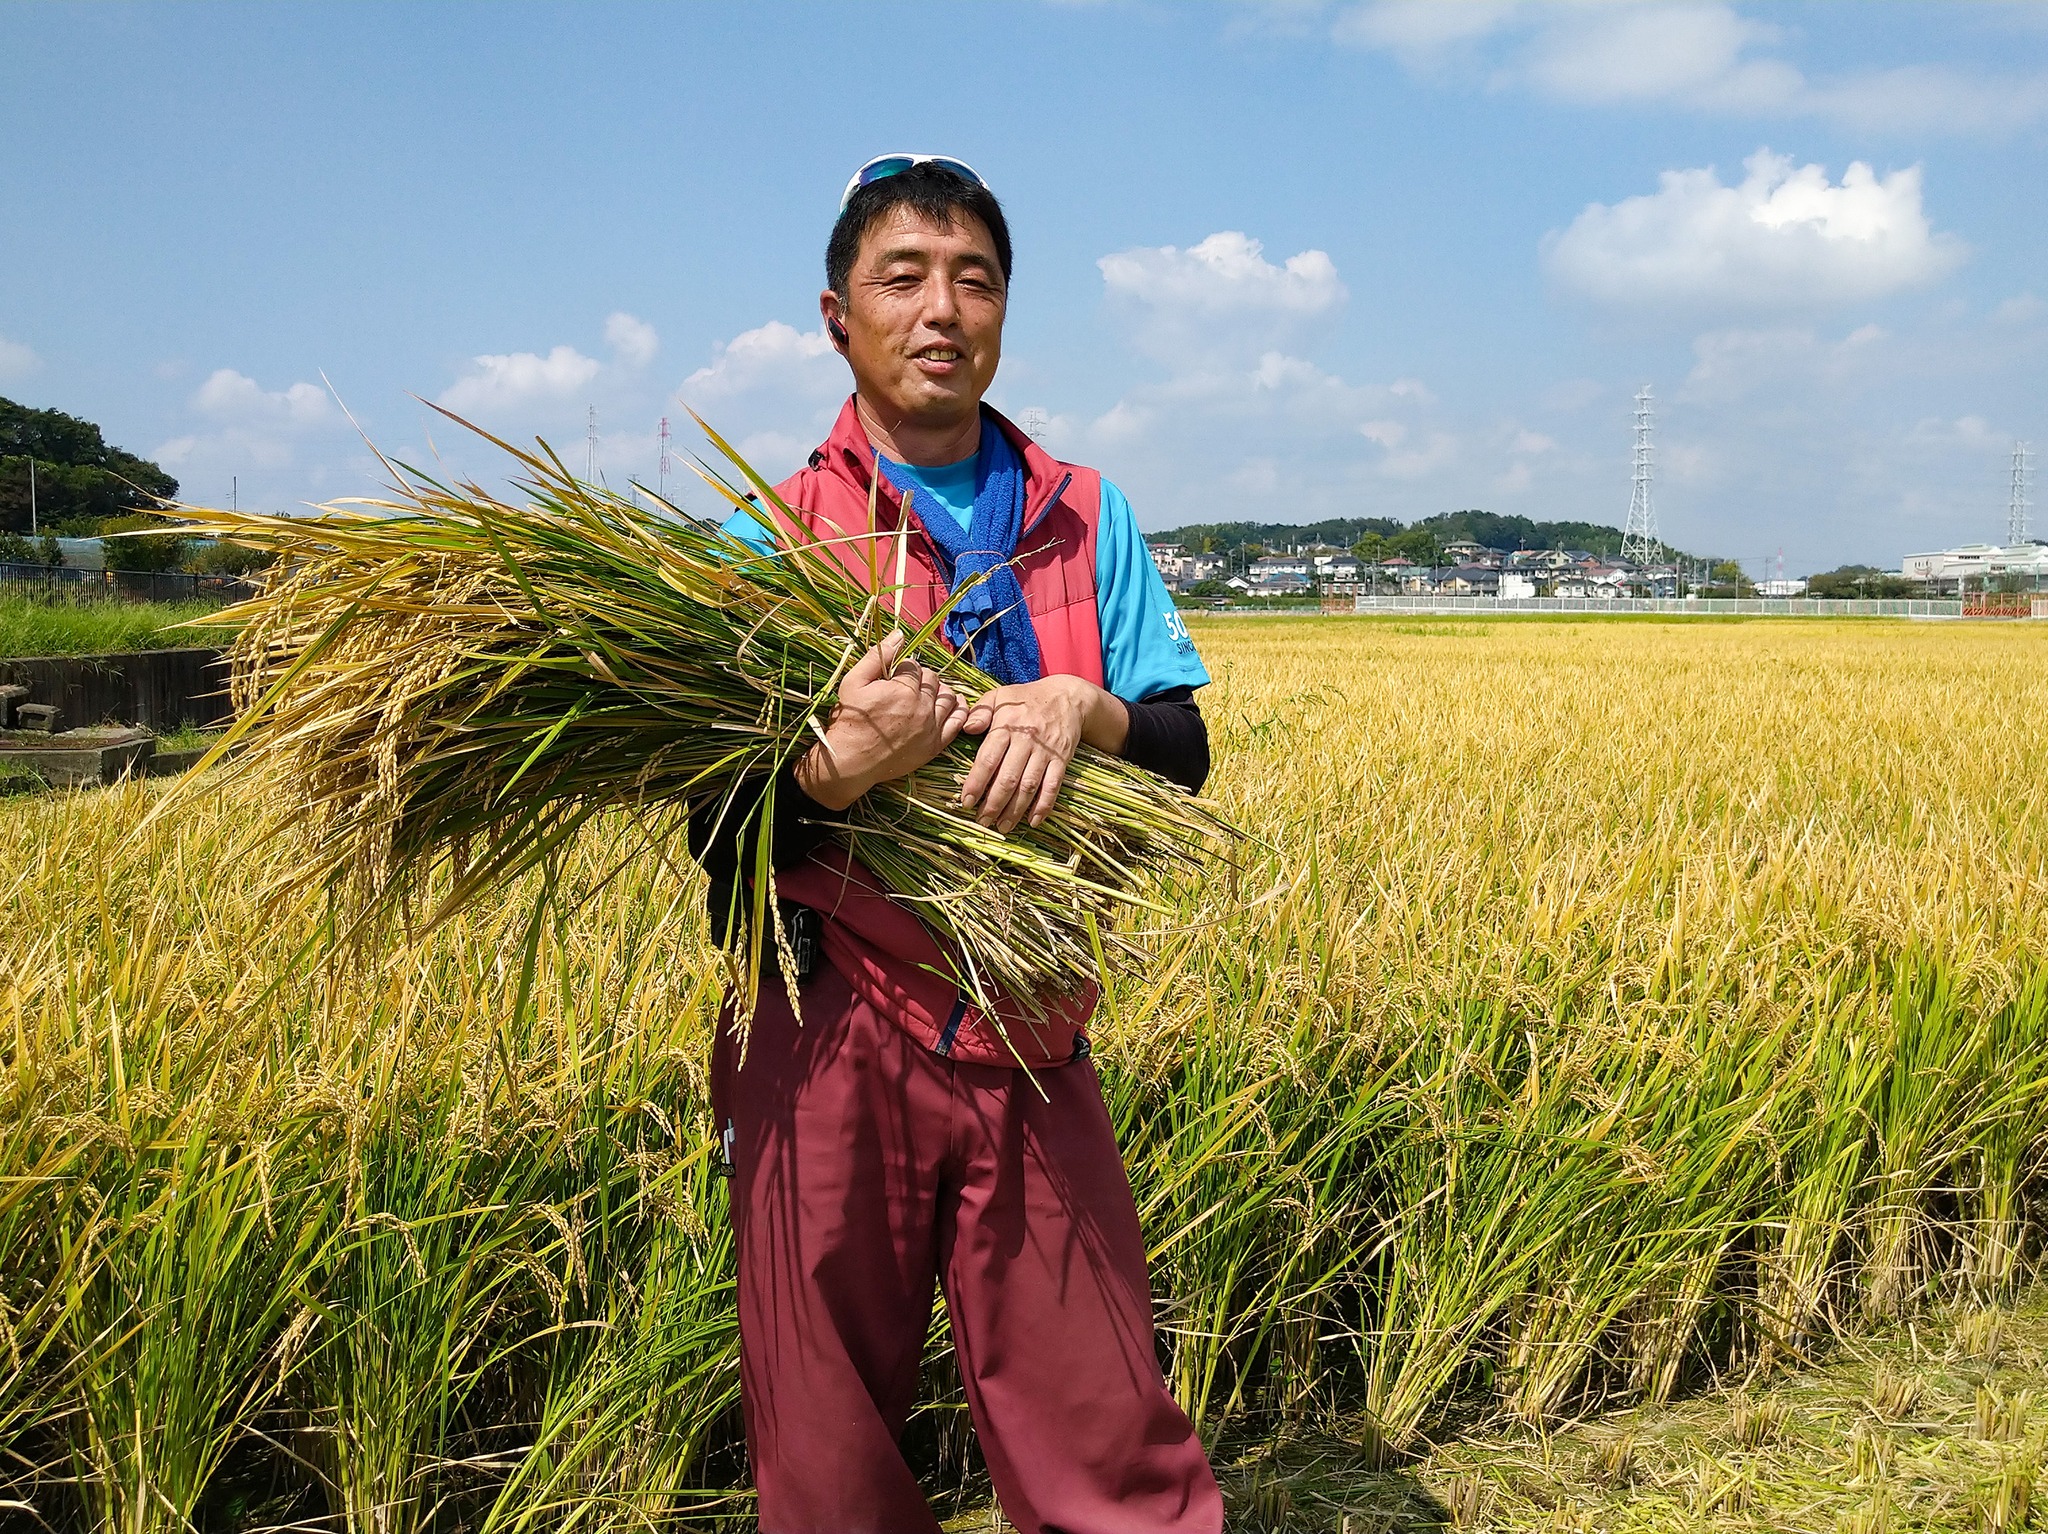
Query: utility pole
x=32 y=529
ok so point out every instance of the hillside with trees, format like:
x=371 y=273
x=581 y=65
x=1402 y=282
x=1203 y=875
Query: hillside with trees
x=81 y=482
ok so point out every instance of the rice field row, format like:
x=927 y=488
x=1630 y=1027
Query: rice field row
x=1596 y=1009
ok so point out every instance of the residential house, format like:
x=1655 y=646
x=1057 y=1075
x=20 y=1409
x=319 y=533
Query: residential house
x=1280 y=574
x=1464 y=551
x=1470 y=581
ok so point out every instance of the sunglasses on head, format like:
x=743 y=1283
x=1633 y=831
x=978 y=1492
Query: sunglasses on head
x=883 y=166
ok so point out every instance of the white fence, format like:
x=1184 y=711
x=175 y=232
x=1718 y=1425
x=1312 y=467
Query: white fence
x=1777 y=607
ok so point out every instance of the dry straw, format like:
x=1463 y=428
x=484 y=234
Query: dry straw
x=451 y=680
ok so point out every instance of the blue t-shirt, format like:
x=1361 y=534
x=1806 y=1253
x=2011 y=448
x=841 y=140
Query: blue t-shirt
x=1146 y=647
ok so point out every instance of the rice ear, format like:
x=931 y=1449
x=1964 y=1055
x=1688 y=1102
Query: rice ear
x=445 y=685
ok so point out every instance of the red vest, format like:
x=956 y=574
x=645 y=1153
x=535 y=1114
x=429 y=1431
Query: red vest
x=886 y=954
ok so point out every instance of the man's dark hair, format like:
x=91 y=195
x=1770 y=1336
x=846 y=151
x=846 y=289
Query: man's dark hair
x=931 y=191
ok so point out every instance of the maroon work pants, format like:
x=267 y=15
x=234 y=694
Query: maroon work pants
x=866 y=1168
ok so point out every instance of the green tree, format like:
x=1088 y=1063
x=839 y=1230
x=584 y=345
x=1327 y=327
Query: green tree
x=206 y=557
x=1726 y=579
x=145 y=547
x=1370 y=549
x=1858 y=581
x=1418 y=544
x=80 y=481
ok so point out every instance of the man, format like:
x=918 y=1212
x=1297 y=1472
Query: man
x=891 y=1138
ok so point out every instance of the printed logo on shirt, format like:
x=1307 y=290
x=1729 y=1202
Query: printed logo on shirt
x=1177 y=631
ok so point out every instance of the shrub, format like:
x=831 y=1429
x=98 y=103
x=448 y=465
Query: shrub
x=150 y=552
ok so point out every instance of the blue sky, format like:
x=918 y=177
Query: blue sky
x=1275 y=262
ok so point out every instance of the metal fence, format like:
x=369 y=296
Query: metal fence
x=1775 y=607
x=71 y=584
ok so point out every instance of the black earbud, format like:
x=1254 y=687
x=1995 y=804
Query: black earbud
x=837 y=331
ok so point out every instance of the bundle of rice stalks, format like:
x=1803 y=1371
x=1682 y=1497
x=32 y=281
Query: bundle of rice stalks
x=447 y=679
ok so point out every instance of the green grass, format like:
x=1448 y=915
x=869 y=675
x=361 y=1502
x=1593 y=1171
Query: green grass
x=32 y=626
x=188 y=737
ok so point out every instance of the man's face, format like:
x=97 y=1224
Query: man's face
x=924 y=316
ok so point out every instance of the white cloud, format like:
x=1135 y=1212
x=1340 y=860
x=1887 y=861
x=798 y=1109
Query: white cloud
x=1533 y=442
x=1966 y=431
x=1702 y=56
x=17 y=360
x=1220 y=300
x=1227 y=273
x=772 y=392
x=1422 y=32
x=632 y=340
x=1782 y=238
x=519 y=378
x=1388 y=434
x=246 y=431
x=1437 y=451
x=238 y=400
x=1691 y=53
x=2021 y=309
x=769 y=356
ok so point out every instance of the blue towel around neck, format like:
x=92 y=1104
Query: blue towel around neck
x=990 y=625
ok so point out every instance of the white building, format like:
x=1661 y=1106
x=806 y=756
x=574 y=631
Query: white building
x=1976 y=563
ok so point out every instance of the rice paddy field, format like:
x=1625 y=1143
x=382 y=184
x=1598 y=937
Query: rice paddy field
x=1607 y=1090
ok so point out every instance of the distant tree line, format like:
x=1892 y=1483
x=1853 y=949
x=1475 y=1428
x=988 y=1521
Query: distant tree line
x=1860 y=581
x=1376 y=538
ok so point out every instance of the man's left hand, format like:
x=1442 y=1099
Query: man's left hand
x=1030 y=732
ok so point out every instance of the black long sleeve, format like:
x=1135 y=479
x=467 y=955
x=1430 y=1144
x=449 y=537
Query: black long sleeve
x=1168 y=736
x=800 y=824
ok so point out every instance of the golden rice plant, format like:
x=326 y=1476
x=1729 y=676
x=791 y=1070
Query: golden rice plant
x=452 y=681
x=1594 y=1010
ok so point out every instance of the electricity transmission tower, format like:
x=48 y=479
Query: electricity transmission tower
x=590 y=465
x=1035 y=424
x=664 y=458
x=1639 y=542
x=2016 y=508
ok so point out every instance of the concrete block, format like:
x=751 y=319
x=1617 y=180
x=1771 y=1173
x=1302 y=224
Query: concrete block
x=82 y=758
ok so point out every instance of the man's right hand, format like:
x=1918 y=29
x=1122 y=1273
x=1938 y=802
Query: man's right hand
x=892 y=717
